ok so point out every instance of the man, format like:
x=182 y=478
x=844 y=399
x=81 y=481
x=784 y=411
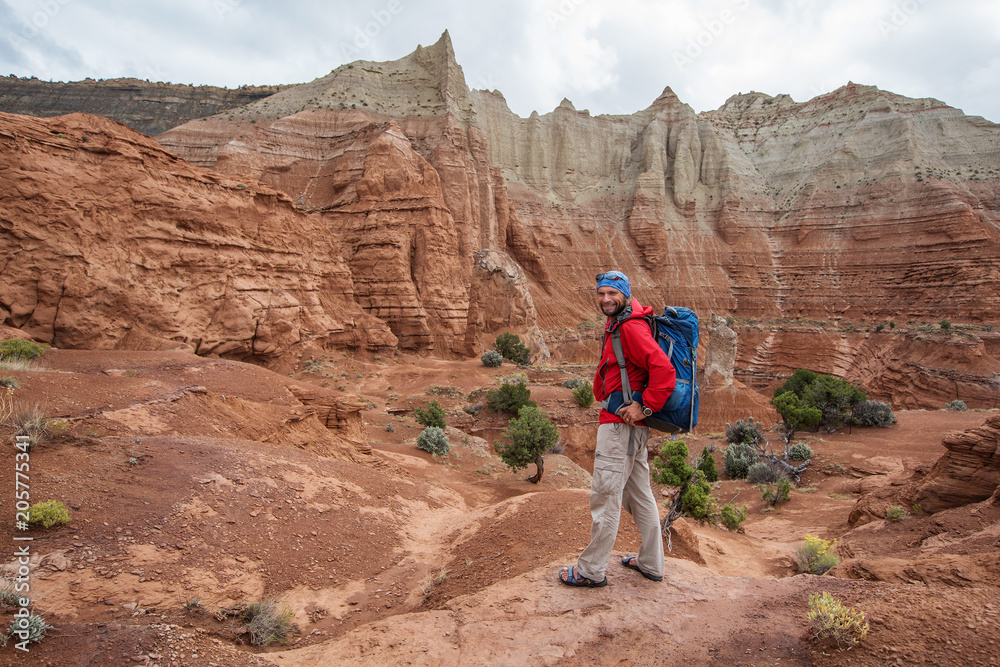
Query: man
x=621 y=468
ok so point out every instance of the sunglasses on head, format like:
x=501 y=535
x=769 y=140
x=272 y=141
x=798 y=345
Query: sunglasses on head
x=611 y=275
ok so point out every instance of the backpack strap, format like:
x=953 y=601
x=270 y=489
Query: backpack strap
x=616 y=345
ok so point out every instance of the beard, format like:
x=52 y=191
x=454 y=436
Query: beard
x=617 y=308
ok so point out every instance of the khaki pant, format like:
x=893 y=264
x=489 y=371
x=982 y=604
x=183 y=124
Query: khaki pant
x=621 y=481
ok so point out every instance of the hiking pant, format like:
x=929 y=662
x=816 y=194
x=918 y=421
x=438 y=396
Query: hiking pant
x=621 y=481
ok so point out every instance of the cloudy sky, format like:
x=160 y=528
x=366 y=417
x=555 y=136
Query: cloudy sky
x=608 y=56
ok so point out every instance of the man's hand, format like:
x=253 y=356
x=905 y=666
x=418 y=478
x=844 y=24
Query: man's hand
x=631 y=413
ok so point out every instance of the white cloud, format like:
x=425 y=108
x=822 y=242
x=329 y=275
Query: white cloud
x=611 y=56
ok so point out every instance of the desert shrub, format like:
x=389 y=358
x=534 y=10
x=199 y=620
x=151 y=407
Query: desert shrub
x=34 y=624
x=798 y=381
x=529 y=435
x=696 y=500
x=49 y=513
x=30 y=421
x=267 y=622
x=775 y=494
x=800 y=451
x=19 y=349
x=706 y=464
x=872 y=413
x=58 y=427
x=816 y=555
x=6 y=404
x=832 y=397
x=732 y=516
x=670 y=467
x=491 y=359
x=896 y=514
x=738 y=459
x=509 y=397
x=748 y=432
x=954 y=405
x=9 y=595
x=945 y=324
x=432 y=439
x=444 y=390
x=511 y=347
x=830 y=618
x=763 y=472
x=433 y=415
x=9 y=382
x=795 y=414
x=584 y=395
x=573 y=383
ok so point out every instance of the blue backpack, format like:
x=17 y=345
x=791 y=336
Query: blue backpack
x=676 y=332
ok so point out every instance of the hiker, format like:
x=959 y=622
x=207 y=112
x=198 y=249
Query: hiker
x=621 y=468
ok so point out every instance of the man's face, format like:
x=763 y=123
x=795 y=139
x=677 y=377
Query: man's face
x=610 y=301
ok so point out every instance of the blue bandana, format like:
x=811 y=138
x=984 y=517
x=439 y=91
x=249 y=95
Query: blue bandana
x=615 y=280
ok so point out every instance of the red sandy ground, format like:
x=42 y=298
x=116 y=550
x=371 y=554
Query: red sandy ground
x=186 y=502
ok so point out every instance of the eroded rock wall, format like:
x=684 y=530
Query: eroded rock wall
x=150 y=108
x=112 y=242
x=853 y=209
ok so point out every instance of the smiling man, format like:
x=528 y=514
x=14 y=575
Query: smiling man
x=621 y=467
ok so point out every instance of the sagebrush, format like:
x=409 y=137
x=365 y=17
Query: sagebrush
x=800 y=451
x=763 y=472
x=737 y=460
x=34 y=624
x=433 y=439
x=747 y=432
x=872 y=414
x=491 y=359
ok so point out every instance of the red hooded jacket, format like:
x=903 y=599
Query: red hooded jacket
x=648 y=367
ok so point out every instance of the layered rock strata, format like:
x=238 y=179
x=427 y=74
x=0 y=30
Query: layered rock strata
x=855 y=208
x=112 y=242
x=968 y=473
x=150 y=108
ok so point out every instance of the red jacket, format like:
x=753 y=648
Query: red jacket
x=648 y=367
